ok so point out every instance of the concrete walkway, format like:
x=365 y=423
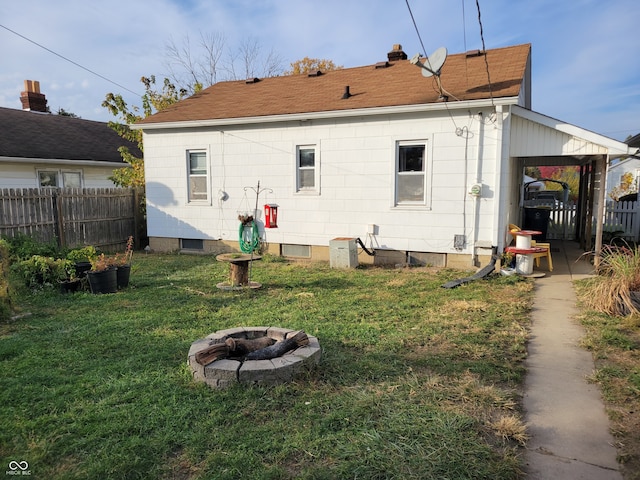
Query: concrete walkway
x=565 y=415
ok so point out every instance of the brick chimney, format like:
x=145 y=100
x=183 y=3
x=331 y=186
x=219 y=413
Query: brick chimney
x=32 y=99
x=396 y=54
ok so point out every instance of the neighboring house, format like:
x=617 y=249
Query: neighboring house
x=627 y=165
x=38 y=149
x=617 y=170
x=417 y=171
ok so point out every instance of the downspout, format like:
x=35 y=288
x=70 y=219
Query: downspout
x=501 y=198
x=476 y=198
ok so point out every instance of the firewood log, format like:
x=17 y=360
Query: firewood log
x=239 y=346
x=212 y=353
x=280 y=348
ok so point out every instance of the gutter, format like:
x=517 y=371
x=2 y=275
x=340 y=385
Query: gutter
x=54 y=161
x=359 y=112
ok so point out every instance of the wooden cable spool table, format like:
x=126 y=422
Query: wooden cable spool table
x=524 y=250
x=238 y=271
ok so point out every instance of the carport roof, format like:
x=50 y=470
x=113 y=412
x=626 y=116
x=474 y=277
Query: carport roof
x=536 y=135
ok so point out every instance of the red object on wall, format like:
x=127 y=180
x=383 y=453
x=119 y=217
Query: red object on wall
x=271 y=216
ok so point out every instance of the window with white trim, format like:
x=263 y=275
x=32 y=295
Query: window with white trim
x=197 y=176
x=411 y=172
x=71 y=179
x=307 y=168
x=59 y=179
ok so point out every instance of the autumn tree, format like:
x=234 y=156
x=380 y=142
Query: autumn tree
x=571 y=176
x=306 y=65
x=627 y=186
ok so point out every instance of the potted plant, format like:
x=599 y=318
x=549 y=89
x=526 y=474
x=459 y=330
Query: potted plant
x=122 y=261
x=66 y=272
x=81 y=257
x=103 y=276
x=507 y=263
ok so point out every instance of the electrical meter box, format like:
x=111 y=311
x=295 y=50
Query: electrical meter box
x=343 y=253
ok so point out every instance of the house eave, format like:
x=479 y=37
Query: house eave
x=57 y=161
x=614 y=147
x=402 y=109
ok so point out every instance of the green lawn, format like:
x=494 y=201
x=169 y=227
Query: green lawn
x=416 y=381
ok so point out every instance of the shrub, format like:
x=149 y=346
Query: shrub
x=614 y=290
x=40 y=270
x=23 y=246
x=5 y=298
x=84 y=254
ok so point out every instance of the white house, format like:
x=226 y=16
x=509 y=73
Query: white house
x=617 y=170
x=38 y=149
x=424 y=169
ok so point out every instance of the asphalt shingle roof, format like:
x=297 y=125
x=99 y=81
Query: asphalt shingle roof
x=463 y=77
x=36 y=135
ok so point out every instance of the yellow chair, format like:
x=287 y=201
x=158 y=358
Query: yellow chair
x=537 y=256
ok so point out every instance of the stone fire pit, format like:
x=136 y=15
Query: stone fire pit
x=226 y=371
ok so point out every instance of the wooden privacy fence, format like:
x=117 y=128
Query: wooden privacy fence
x=71 y=217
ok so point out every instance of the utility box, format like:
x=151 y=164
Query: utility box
x=343 y=253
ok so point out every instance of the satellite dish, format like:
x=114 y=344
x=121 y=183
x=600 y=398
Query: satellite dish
x=433 y=64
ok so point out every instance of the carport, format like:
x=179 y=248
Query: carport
x=539 y=140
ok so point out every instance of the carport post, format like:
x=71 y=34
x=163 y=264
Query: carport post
x=601 y=174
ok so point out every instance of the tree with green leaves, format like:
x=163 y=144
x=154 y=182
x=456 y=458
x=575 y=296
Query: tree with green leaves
x=153 y=101
x=63 y=113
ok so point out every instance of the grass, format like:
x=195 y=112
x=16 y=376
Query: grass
x=416 y=381
x=615 y=343
x=611 y=317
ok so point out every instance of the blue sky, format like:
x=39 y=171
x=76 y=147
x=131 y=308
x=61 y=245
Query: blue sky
x=584 y=62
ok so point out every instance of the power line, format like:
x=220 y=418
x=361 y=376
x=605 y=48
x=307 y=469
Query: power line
x=484 y=51
x=417 y=31
x=70 y=61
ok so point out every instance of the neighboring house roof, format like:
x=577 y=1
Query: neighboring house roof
x=394 y=83
x=45 y=136
x=634 y=141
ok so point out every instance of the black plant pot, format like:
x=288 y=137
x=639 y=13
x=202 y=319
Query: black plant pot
x=105 y=281
x=123 y=276
x=82 y=268
x=69 y=286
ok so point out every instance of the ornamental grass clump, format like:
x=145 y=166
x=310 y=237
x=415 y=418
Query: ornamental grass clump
x=616 y=289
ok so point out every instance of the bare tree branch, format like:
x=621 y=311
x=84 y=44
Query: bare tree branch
x=199 y=66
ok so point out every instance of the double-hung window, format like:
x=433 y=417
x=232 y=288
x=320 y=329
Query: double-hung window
x=411 y=173
x=197 y=168
x=307 y=169
x=59 y=178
